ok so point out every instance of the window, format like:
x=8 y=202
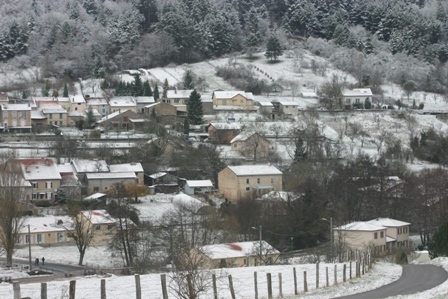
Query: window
x=35 y=185
x=272 y=180
x=258 y=180
x=96 y=189
x=382 y=235
x=405 y=230
x=110 y=226
x=39 y=238
x=51 y=122
x=59 y=237
x=60 y=123
x=357 y=101
x=49 y=185
x=76 y=108
x=286 y=106
x=235 y=145
x=22 y=114
x=60 y=115
x=34 y=196
x=51 y=116
x=399 y=230
x=347 y=101
x=27 y=239
x=375 y=235
x=247 y=188
x=18 y=239
x=49 y=195
x=98 y=227
x=247 y=181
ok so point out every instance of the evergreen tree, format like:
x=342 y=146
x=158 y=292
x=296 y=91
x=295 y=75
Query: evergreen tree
x=156 y=92
x=438 y=246
x=90 y=118
x=138 y=86
x=188 y=80
x=194 y=108
x=52 y=37
x=165 y=88
x=186 y=126
x=253 y=31
x=300 y=151
x=98 y=69
x=65 y=33
x=147 y=92
x=65 y=92
x=46 y=89
x=273 y=48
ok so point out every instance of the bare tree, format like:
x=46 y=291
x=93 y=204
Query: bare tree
x=12 y=192
x=82 y=231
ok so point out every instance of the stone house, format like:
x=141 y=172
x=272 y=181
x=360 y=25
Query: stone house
x=239 y=100
x=15 y=118
x=249 y=181
x=222 y=133
x=251 y=145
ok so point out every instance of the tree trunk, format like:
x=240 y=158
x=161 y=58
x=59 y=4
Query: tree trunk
x=81 y=257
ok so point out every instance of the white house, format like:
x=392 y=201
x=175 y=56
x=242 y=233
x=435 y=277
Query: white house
x=198 y=186
x=356 y=98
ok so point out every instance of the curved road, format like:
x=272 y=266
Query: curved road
x=415 y=278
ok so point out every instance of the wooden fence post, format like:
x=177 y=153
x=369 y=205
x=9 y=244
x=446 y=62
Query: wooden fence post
x=16 y=289
x=344 y=276
x=215 y=291
x=295 y=281
x=43 y=290
x=335 y=274
x=280 y=290
x=317 y=275
x=326 y=276
x=256 y=285
x=232 y=291
x=138 y=288
x=103 y=289
x=72 y=289
x=305 y=284
x=268 y=276
x=164 y=289
x=350 y=270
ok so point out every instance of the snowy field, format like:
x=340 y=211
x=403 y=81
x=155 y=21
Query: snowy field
x=124 y=286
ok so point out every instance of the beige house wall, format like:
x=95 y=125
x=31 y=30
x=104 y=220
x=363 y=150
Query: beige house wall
x=123 y=108
x=231 y=262
x=102 y=232
x=20 y=118
x=242 y=187
x=360 y=239
x=246 y=147
x=104 y=185
x=46 y=238
x=58 y=119
x=237 y=100
x=44 y=186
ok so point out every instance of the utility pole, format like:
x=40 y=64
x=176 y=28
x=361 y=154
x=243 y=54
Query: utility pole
x=331 y=238
x=29 y=246
x=261 y=245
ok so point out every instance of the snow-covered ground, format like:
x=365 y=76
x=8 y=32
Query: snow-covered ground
x=124 y=286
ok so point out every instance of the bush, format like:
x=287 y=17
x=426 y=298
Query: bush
x=401 y=257
x=438 y=246
x=95 y=134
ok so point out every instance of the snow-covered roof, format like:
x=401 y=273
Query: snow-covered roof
x=152 y=105
x=144 y=100
x=388 y=222
x=287 y=103
x=308 y=94
x=111 y=115
x=265 y=104
x=110 y=175
x=157 y=175
x=46 y=224
x=76 y=113
x=96 y=101
x=255 y=170
x=390 y=239
x=85 y=165
x=46 y=107
x=126 y=167
x=39 y=169
x=99 y=217
x=16 y=107
x=357 y=92
x=228 y=94
x=187 y=201
x=37 y=114
x=360 y=226
x=226 y=126
x=122 y=102
x=236 y=250
x=94 y=196
x=243 y=136
x=65 y=168
x=199 y=183
x=78 y=99
x=178 y=94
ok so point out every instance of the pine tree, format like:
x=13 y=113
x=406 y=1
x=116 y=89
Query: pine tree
x=147 y=92
x=46 y=89
x=273 y=48
x=438 y=246
x=186 y=126
x=156 y=92
x=90 y=118
x=138 y=86
x=98 y=69
x=165 y=88
x=194 y=108
x=188 y=80
x=253 y=32
x=300 y=151
x=65 y=92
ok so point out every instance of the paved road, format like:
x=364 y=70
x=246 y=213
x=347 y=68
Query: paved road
x=415 y=278
x=58 y=270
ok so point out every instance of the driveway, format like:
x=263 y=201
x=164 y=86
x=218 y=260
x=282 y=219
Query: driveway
x=415 y=278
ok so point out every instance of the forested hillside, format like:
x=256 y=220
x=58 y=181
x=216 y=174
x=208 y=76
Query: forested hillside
x=86 y=38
